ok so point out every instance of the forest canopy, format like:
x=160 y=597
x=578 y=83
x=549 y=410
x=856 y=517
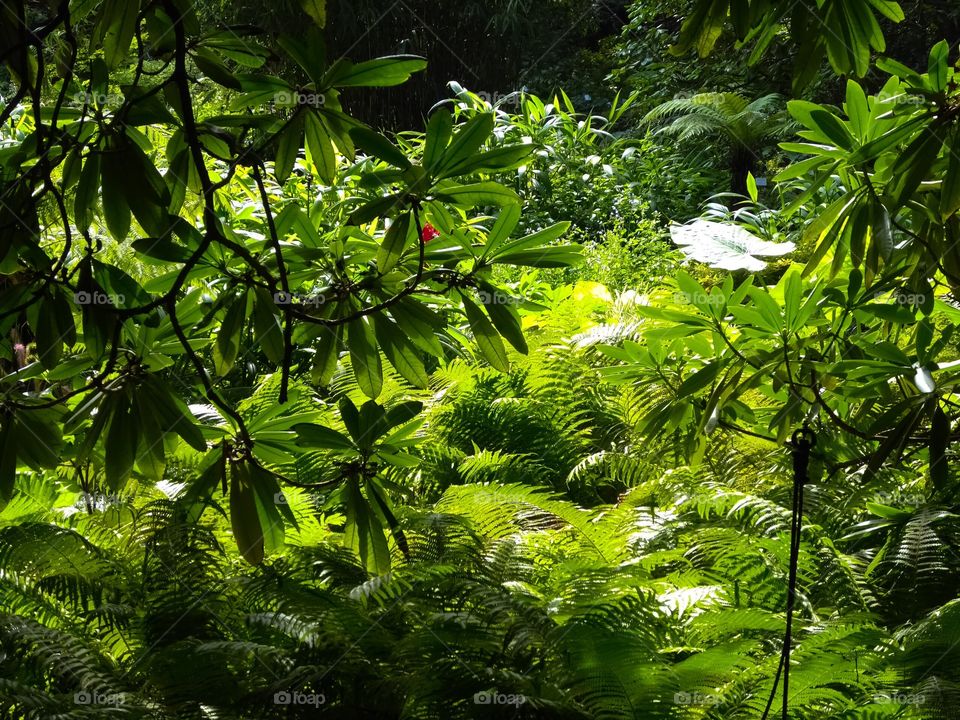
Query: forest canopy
x=537 y=358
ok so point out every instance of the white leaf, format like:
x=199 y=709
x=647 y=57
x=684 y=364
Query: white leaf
x=724 y=246
x=924 y=380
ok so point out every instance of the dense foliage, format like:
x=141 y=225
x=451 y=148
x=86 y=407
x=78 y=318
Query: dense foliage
x=302 y=416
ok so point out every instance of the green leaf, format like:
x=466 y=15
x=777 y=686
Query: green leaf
x=400 y=352
x=485 y=335
x=828 y=126
x=892 y=313
x=534 y=240
x=699 y=380
x=914 y=163
x=496 y=160
x=227 y=346
x=350 y=417
x=543 y=257
x=889 y=9
x=115 y=29
x=481 y=193
x=40 y=438
x=120 y=448
x=822 y=232
x=382 y=503
x=419 y=323
x=740 y=16
x=125 y=290
x=98 y=321
x=116 y=209
x=792 y=296
x=72 y=166
x=938 y=65
x=213 y=67
x=857 y=109
x=268 y=332
x=394 y=242
x=47 y=332
x=317 y=10
x=693 y=292
x=151 y=458
x=162 y=249
x=320 y=436
x=439 y=130
x=364 y=356
x=211 y=474
x=470 y=137
x=403 y=412
x=501 y=307
x=320 y=148
x=752 y=187
x=894 y=441
x=799 y=169
x=294 y=221
x=380 y=72
x=147 y=193
x=500 y=232
x=363 y=532
x=87 y=187
x=950 y=189
x=244 y=518
x=879 y=145
x=378 y=207
x=288 y=145
x=702 y=27
x=327 y=354
x=274 y=515
x=172 y=414
x=268 y=511
x=939 y=442
x=373 y=143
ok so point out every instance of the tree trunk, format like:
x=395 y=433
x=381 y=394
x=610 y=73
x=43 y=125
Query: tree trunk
x=742 y=163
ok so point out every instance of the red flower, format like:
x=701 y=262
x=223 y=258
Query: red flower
x=428 y=233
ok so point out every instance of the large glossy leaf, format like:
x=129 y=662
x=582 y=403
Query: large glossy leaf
x=485 y=335
x=381 y=72
x=116 y=27
x=725 y=246
x=482 y=193
x=229 y=336
x=364 y=357
x=244 y=518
